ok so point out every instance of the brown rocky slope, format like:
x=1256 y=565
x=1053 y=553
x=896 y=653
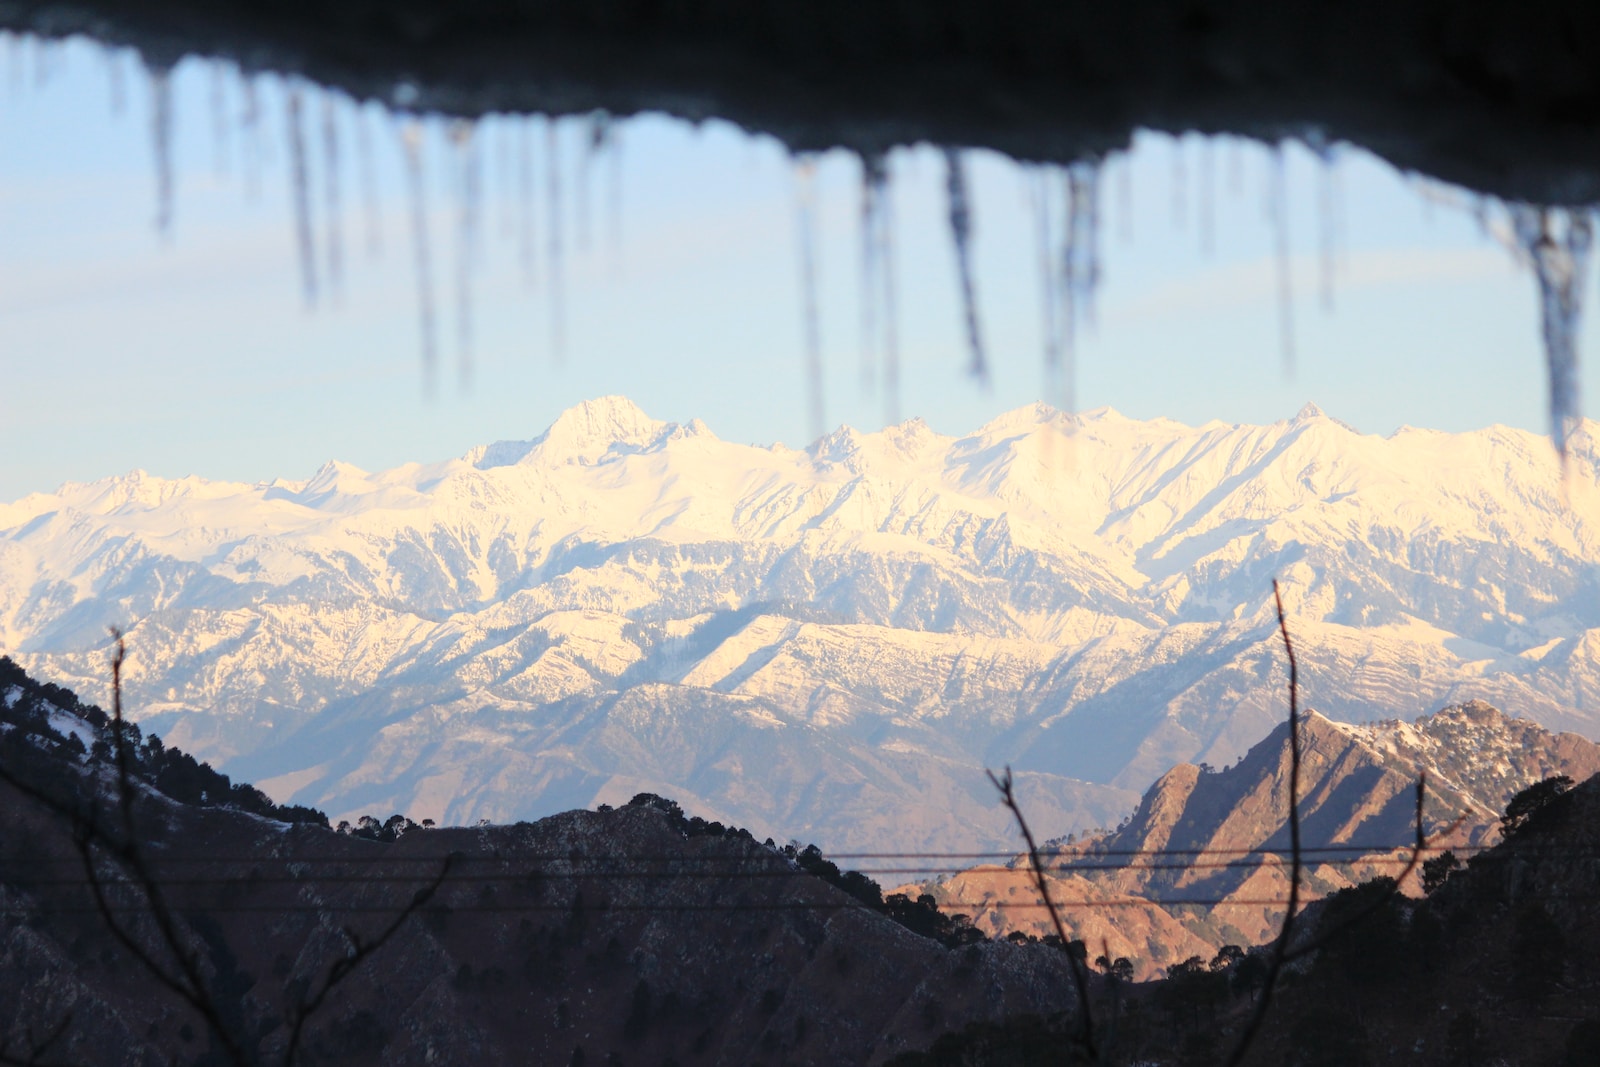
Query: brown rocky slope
x=1202 y=861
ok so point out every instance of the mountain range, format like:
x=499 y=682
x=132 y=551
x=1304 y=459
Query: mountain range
x=832 y=641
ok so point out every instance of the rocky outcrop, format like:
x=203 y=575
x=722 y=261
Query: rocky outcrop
x=1206 y=850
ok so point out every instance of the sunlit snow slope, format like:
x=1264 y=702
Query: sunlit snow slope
x=828 y=643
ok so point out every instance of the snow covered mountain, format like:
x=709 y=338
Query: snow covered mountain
x=829 y=642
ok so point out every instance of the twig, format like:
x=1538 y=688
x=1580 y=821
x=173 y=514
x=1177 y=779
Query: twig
x=1280 y=949
x=88 y=836
x=1371 y=906
x=192 y=985
x=1080 y=979
x=97 y=843
x=359 y=950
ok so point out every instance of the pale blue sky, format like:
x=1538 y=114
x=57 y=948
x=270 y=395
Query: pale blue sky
x=194 y=353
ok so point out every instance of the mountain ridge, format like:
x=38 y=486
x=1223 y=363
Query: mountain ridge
x=1082 y=597
x=634 y=932
x=1222 y=835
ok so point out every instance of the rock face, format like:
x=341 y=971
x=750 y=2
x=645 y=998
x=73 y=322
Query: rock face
x=1497 y=965
x=1203 y=860
x=832 y=642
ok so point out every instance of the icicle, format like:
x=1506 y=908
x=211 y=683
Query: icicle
x=1278 y=208
x=331 y=195
x=502 y=177
x=118 y=87
x=1084 y=184
x=530 y=259
x=599 y=133
x=250 y=119
x=161 y=137
x=15 y=50
x=464 y=148
x=580 y=199
x=43 y=53
x=411 y=140
x=552 y=171
x=1235 y=166
x=1480 y=213
x=1557 y=242
x=1125 y=197
x=891 y=301
x=805 y=171
x=1051 y=289
x=1208 y=196
x=614 y=195
x=1327 y=225
x=961 y=237
x=219 y=116
x=300 y=181
x=872 y=179
x=1180 y=184
x=369 y=186
x=1341 y=243
x=1080 y=268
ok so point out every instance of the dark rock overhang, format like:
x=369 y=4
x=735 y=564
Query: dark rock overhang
x=1500 y=98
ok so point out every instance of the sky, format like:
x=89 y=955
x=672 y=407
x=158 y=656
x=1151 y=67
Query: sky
x=194 y=349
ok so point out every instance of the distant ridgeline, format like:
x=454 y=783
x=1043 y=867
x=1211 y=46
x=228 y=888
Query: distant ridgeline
x=52 y=719
x=920 y=916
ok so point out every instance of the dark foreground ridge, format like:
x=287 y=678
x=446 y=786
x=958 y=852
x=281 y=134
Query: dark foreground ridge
x=51 y=718
x=633 y=935
x=1502 y=99
x=641 y=935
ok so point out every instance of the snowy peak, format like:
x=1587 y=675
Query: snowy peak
x=610 y=419
x=581 y=434
x=585 y=433
x=1032 y=417
x=335 y=478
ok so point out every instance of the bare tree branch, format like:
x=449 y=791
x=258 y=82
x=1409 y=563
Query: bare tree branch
x=98 y=844
x=1282 y=954
x=191 y=986
x=1280 y=949
x=1421 y=845
x=1080 y=978
x=359 y=950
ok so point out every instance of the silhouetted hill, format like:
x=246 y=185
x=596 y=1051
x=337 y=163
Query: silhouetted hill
x=57 y=722
x=634 y=935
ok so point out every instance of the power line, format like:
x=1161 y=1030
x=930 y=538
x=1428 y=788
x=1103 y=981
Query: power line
x=257 y=878
x=1356 y=853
